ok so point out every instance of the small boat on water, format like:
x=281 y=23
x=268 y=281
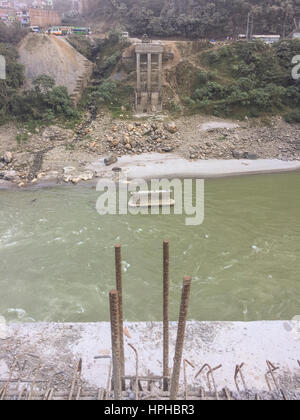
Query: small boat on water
x=143 y=199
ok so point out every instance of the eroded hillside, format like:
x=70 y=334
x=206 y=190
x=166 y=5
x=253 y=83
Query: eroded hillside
x=55 y=57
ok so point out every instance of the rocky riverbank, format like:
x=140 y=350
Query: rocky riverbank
x=65 y=156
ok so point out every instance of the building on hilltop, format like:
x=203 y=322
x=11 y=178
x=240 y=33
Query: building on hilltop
x=33 y=13
x=268 y=39
x=42 y=4
x=43 y=18
x=295 y=34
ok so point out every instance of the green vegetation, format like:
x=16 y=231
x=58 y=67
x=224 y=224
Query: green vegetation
x=107 y=53
x=45 y=102
x=12 y=84
x=42 y=104
x=22 y=138
x=114 y=94
x=198 y=18
x=293 y=116
x=83 y=45
x=237 y=80
x=12 y=34
x=247 y=79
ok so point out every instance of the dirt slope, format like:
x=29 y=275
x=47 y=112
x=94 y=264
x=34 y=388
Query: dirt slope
x=55 y=57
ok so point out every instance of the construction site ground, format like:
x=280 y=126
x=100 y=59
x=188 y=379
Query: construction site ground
x=258 y=360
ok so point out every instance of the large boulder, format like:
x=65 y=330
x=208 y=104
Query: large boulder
x=8 y=157
x=171 y=127
x=9 y=175
x=251 y=156
x=237 y=155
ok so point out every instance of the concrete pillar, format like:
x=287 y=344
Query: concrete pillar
x=159 y=72
x=149 y=71
x=138 y=70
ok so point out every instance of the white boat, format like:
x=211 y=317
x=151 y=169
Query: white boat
x=144 y=199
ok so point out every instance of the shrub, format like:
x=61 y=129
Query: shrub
x=105 y=93
x=293 y=116
x=202 y=77
x=12 y=33
x=250 y=77
x=104 y=68
x=45 y=102
x=213 y=57
x=211 y=90
x=261 y=99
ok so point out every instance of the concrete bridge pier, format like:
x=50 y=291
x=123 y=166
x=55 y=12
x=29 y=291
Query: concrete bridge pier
x=148 y=96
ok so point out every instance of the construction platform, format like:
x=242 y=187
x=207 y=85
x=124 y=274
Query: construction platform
x=221 y=360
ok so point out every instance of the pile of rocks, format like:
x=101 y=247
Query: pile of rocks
x=7 y=173
x=57 y=134
x=211 y=147
x=137 y=137
x=6 y=159
x=60 y=154
x=246 y=142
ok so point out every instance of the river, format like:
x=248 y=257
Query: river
x=57 y=254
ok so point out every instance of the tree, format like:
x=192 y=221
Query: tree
x=43 y=84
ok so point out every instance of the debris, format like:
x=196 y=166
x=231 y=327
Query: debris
x=126 y=332
x=110 y=160
x=8 y=157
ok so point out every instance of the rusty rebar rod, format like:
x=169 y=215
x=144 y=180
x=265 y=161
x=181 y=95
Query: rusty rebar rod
x=238 y=370
x=136 y=371
x=21 y=393
x=186 y=362
x=210 y=372
x=108 y=382
x=115 y=343
x=100 y=395
x=9 y=379
x=227 y=393
x=271 y=370
x=30 y=396
x=166 y=287
x=185 y=297
x=76 y=378
x=119 y=287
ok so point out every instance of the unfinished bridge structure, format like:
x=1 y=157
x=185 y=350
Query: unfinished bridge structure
x=149 y=63
x=132 y=361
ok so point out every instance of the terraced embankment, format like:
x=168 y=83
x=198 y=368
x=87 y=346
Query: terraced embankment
x=55 y=57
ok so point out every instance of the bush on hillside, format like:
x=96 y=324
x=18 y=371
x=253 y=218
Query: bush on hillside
x=250 y=79
x=12 y=33
x=105 y=93
x=43 y=103
x=293 y=116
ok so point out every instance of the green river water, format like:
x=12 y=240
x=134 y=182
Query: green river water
x=57 y=254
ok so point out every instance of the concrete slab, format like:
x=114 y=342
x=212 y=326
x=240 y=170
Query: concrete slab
x=60 y=346
x=155 y=165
